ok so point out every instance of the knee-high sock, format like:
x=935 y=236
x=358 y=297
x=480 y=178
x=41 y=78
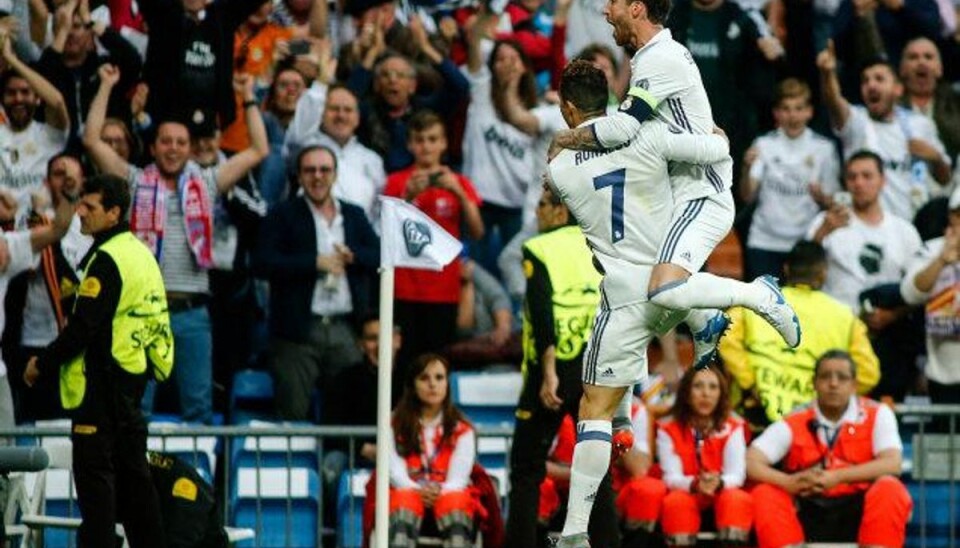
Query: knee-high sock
x=621 y=417
x=591 y=458
x=705 y=290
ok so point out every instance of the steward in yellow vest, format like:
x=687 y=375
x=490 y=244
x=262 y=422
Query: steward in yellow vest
x=563 y=291
x=771 y=378
x=119 y=333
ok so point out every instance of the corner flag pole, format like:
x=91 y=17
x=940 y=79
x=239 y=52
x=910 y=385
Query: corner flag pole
x=384 y=384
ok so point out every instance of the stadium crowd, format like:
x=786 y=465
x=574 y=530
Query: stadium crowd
x=256 y=137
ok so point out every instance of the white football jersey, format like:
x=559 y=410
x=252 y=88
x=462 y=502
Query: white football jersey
x=664 y=74
x=623 y=202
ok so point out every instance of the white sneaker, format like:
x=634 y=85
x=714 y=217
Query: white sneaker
x=705 y=341
x=778 y=312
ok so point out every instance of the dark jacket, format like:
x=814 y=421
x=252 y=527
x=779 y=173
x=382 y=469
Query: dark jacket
x=79 y=87
x=162 y=69
x=287 y=256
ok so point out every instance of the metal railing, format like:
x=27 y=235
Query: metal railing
x=933 y=462
x=264 y=450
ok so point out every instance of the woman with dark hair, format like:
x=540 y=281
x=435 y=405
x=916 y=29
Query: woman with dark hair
x=702 y=448
x=431 y=459
x=498 y=157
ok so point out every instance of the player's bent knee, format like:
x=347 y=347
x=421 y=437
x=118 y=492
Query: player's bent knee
x=599 y=402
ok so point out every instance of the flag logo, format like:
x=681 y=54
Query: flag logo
x=416 y=236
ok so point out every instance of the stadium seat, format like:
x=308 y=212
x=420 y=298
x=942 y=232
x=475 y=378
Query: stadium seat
x=201 y=451
x=53 y=499
x=274 y=451
x=488 y=399
x=350 y=497
x=282 y=507
x=492 y=452
x=251 y=396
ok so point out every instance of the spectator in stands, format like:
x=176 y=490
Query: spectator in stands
x=28 y=144
x=867 y=254
x=928 y=94
x=932 y=280
x=426 y=302
x=189 y=63
x=432 y=454
x=286 y=89
x=43 y=297
x=867 y=30
x=354 y=403
x=183 y=240
x=837 y=460
x=375 y=21
x=484 y=309
x=256 y=48
x=734 y=53
x=773 y=379
x=545 y=50
x=906 y=142
x=71 y=62
x=329 y=115
x=602 y=56
x=791 y=173
x=321 y=256
x=701 y=448
x=118 y=136
x=557 y=317
x=498 y=156
x=390 y=80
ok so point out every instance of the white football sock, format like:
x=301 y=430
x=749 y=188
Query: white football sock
x=591 y=458
x=705 y=290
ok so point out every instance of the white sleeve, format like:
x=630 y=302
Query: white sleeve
x=691 y=148
x=853 y=134
x=927 y=131
x=615 y=129
x=735 y=460
x=815 y=225
x=57 y=138
x=775 y=442
x=830 y=170
x=908 y=287
x=307 y=116
x=672 y=466
x=885 y=434
x=550 y=119
x=461 y=463
x=641 y=430
x=21 y=252
x=758 y=166
x=399 y=477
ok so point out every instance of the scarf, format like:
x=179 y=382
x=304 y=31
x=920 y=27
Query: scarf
x=148 y=216
x=943 y=306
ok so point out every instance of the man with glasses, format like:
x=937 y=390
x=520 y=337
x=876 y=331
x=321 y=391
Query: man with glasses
x=839 y=457
x=321 y=256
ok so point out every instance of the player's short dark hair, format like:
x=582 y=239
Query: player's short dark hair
x=804 y=260
x=835 y=354
x=114 y=192
x=864 y=154
x=657 y=10
x=585 y=86
x=423 y=120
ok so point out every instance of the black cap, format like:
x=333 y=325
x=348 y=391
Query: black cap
x=202 y=123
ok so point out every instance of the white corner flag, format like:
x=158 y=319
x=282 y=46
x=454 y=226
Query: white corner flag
x=411 y=239
x=408 y=239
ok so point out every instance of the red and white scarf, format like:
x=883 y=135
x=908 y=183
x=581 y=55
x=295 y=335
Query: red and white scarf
x=148 y=216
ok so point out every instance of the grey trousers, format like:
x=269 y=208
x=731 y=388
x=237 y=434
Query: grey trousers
x=298 y=368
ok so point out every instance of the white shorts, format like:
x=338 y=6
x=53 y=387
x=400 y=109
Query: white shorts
x=696 y=227
x=616 y=353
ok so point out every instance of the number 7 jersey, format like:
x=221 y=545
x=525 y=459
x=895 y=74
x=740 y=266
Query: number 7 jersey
x=622 y=200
